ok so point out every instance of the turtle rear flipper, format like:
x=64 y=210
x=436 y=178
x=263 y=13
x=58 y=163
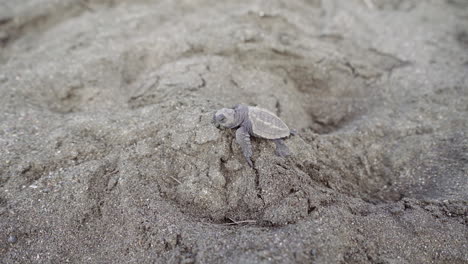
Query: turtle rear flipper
x=281 y=149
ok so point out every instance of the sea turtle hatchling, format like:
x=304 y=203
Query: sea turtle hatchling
x=254 y=121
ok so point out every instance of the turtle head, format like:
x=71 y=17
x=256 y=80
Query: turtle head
x=225 y=118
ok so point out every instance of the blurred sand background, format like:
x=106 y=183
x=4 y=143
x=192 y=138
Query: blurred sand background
x=108 y=154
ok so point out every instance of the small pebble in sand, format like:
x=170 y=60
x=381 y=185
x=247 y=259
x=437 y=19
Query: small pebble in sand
x=12 y=239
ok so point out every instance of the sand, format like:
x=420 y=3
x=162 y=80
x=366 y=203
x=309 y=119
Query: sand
x=108 y=154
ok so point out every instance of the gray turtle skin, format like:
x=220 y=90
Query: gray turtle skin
x=253 y=121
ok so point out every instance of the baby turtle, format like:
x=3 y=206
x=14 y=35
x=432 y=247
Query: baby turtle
x=254 y=121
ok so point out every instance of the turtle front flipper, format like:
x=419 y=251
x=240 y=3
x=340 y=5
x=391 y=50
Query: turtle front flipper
x=243 y=139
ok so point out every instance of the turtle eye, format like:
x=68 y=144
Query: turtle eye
x=221 y=118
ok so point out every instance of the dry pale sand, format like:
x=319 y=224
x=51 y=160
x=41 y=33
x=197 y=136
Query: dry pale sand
x=108 y=154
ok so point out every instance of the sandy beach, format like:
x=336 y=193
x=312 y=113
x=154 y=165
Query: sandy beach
x=108 y=153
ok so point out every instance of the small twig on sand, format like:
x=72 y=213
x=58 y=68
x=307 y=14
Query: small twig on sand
x=175 y=179
x=240 y=222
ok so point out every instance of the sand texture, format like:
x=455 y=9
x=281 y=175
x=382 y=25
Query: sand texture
x=108 y=153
